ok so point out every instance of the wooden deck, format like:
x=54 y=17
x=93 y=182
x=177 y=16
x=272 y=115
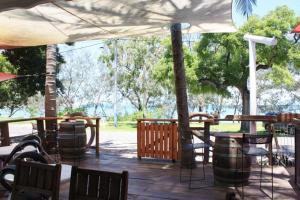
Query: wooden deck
x=154 y=179
x=157 y=179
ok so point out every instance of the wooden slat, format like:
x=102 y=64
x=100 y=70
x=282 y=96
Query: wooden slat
x=169 y=133
x=104 y=186
x=170 y=140
x=161 y=140
x=93 y=186
x=142 y=139
x=174 y=142
x=139 y=139
x=33 y=177
x=165 y=142
x=41 y=178
x=157 y=139
x=82 y=183
x=147 y=141
x=49 y=179
x=24 y=175
x=152 y=140
x=115 y=186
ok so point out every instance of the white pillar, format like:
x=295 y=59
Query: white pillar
x=252 y=83
x=253 y=39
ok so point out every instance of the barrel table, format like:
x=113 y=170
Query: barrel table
x=296 y=122
x=72 y=139
x=227 y=159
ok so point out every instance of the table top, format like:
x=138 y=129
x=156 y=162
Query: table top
x=261 y=118
x=227 y=134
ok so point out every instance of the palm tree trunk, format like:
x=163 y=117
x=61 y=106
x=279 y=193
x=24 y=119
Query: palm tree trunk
x=181 y=95
x=50 y=87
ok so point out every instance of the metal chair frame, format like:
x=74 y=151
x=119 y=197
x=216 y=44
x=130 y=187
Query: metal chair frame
x=254 y=139
x=191 y=148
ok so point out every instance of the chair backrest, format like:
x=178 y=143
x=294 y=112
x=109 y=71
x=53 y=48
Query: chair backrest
x=257 y=138
x=94 y=184
x=36 y=181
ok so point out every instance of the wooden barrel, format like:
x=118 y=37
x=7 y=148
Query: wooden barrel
x=72 y=139
x=227 y=160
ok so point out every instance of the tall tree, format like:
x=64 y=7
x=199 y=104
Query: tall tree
x=136 y=60
x=223 y=58
x=80 y=84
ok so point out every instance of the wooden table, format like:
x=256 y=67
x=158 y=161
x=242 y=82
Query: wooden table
x=296 y=122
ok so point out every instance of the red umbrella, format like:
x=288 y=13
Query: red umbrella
x=296 y=32
x=6 y=76
x=296 y=29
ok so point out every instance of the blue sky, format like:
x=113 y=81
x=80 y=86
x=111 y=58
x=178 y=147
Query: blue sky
x=263 y=7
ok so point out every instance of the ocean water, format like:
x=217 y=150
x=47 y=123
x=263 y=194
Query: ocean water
x=106 y=110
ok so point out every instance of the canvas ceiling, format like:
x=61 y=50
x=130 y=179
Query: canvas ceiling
x=69 y=21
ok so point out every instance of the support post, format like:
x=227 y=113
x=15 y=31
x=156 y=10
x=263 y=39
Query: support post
x=97 y=135
x=180 y=88
x=252 y=83
x=206 y=141
x=253 y=39
x=4 y=129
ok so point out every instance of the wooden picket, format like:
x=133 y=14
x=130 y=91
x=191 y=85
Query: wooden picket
x=158 y=139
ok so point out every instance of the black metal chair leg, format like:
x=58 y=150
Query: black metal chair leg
x=191 y=169
x=260 y=171
x=242 y=174
x=272 y=175
x=203 y=168
x=180 y=173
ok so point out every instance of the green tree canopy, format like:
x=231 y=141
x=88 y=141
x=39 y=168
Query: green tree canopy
x=29 y=64
x=223 y=58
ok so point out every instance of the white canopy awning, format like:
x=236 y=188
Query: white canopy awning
x=69 y=21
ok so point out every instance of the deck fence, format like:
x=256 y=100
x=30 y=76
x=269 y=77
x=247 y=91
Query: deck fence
x=158 y=138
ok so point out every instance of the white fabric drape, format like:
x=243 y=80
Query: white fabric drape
x=77 y=20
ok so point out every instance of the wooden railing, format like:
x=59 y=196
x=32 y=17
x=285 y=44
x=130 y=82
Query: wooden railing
x=5 y=136
x=158 y=138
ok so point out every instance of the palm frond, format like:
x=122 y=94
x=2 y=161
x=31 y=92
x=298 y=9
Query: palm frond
x=245 y=6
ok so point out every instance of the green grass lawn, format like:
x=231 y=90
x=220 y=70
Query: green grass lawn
x=130 y=126
x=124 y=126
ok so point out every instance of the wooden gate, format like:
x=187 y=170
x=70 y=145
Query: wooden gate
x=157 y=138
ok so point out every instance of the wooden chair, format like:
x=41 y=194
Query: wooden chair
x=36 y=181
x=89 y=184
